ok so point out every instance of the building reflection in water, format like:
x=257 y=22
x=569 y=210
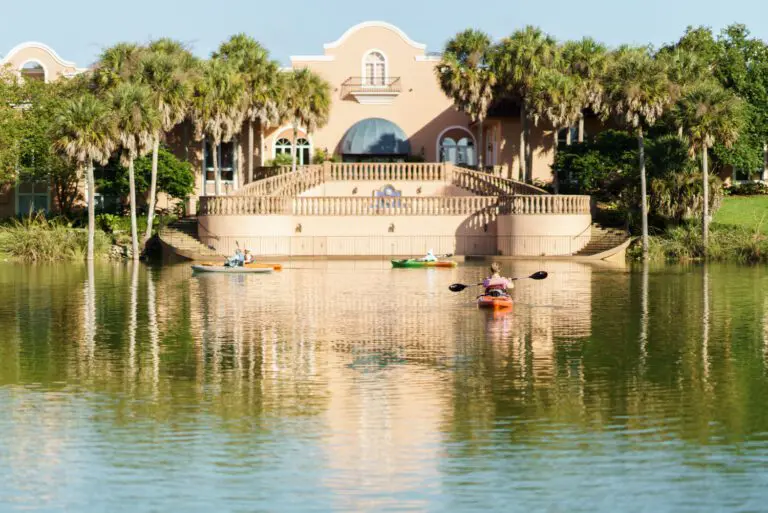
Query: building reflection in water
x=379 y=370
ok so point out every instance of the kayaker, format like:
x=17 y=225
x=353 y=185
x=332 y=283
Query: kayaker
x=496 y=284
x=248 y=257
x=237 y=260
x=429 y=258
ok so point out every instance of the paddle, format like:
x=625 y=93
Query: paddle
x=458 y=287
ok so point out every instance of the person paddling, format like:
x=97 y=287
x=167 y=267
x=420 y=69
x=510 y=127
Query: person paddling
x=496 y=284
x=429 y=258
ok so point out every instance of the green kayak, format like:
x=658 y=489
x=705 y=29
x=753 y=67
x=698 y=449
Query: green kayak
x=413 y=262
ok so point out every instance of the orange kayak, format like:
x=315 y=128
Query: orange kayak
x=495 y=302
x=275 y=267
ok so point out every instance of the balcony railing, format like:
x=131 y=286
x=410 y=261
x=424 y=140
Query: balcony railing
x=374 y=86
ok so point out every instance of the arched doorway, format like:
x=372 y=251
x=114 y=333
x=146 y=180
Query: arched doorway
x=457 y=145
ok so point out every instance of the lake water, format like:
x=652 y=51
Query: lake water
x=349 y=386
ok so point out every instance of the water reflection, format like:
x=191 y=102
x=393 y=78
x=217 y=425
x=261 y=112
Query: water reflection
x=354 y=387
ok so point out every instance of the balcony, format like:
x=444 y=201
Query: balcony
x=368 y=90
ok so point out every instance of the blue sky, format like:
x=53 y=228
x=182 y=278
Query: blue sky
x=79 y=29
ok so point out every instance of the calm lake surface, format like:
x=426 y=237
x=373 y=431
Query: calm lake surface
x=349 y=386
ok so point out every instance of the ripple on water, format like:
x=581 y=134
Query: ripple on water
x=347 y=386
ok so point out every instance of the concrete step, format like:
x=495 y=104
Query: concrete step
x=603 y=239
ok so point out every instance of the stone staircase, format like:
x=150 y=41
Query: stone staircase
x=602 y=240
x=181 y=239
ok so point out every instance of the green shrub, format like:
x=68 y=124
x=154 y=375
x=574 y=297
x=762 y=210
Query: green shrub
x=281 y=159
x=37 y=239
x=726 y=243
x=749 y=189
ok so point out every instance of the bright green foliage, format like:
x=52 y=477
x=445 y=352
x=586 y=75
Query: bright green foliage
x=740 y=63
x=174 y=177
x=606 y=167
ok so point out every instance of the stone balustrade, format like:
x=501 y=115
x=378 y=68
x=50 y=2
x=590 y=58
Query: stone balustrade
x=291 y=183
x=286 y=183
x=243 y=205
x=545 y=204
x=489 y=184
x=393 y=206
x=387 y=171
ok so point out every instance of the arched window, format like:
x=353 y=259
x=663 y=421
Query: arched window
x=375 y=69
x=33 y=70
x=303 y=152
x=282 y=146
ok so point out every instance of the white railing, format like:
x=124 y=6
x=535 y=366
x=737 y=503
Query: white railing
x=392 y=206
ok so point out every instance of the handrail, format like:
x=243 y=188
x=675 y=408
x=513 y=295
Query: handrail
x=398 y=205
x=468 y=178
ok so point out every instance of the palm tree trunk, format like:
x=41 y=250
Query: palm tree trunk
x=216 y=174
x=581 y=128
x=262 y=162
x=132 y=192
x=705 y=189
x=293 y=147
x=522 y=156
x=555 y=177
x=91 y=211
x=765 y=161
x=643 y=193
x=480 y=159
x=152 y=191
x=237 y=169
x=250 y=152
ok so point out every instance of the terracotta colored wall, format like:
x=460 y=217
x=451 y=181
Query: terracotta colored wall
x=421 y=110
x=524 y=235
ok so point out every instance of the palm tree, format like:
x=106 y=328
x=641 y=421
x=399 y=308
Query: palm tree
x=636 y=94
x=588 y=60
x=84 y=132
x=559 y=99
x=260 y=74
x=517 y=61
x=708 y=113
x=117 y=64
x=217 y=107
x=465 y=76
x=307 y=103
x=167 y=72
x=137 y=122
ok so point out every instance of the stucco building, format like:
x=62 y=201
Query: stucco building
x=387 y=106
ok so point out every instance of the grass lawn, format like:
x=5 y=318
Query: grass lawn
x=747 y=211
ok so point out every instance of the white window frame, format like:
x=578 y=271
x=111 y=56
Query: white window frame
x=47 y=195
x=364 y=73
x=218 y=155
